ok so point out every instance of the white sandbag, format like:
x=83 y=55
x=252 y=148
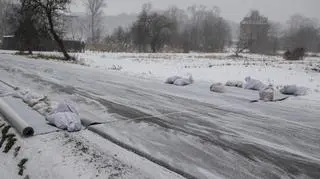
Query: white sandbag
x=267 y=94
x=65 y=120
x=65 y=116
x=184 y=81
x=39 y=106
x=238 y=84
x=294 y=90
x=28 y=97
x=181 y=82
x=32 y=98
x=20 y=93
x=218 y=88
x=253 y=84
x=42 y=107
x=172 y=79
x=66 y=106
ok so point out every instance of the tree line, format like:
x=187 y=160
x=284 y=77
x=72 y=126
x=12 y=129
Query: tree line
x=202 y=29
x=196 y=28
x=34 y=20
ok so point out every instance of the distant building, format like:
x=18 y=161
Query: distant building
x=254 y=31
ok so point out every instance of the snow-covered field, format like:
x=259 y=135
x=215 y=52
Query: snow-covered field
x=190 y=130
x=209 y=67
x=217 y=67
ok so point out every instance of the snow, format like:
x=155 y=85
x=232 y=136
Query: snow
x=238 y=84
x=82 y=155
x=267 y=94
x=217 y=87
x=294 y=90
x=205 y=134
x=65 y=116
x=184 y=81
x=253 y=84
x=172 y=79
x=217 y=67
x=214 y=67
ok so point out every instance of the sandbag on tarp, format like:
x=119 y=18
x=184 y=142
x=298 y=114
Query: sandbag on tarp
x=15 y=120
x=30 y=98
x=65 y=116
x=267 y=94
x=172 y=79
x=180 y=81
x=253 y=84
x=184 y=81
x=238 y=84
x=37 y=101
x=218 y=88
x=294 y=90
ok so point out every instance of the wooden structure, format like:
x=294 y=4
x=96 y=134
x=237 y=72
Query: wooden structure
x=12 y=43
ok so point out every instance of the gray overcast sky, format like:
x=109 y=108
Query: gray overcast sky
x=278 y=10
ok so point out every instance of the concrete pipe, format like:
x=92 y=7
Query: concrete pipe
x=15 y=120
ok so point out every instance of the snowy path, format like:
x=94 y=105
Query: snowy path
x=80 y=155
x=203 y=134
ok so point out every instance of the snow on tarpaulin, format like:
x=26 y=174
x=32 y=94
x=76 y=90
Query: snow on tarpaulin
x=180 y=81
x=267 y=94
x=253 y=84
x=294 y=90
x=172 y=79
x=32 y=98
x=218 y=88
x=238 y=84
x=30 y=116
x=65 y=116
x=184 y=81
x=21 y=116
x=37 y=101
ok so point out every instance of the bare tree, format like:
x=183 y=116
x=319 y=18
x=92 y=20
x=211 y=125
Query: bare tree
x=6 y=8
x=160 y=31
x=200 y=29
x=208 y=31
x=141 y=28
x=178 y=18
x=95 y=12
x=303 y=32
x=51 y=10
x=241 y=46
x=3 y=4
x=152 y=30
x=75 y=28
x=275 y=32
x=120 y=40
x=29 y=26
